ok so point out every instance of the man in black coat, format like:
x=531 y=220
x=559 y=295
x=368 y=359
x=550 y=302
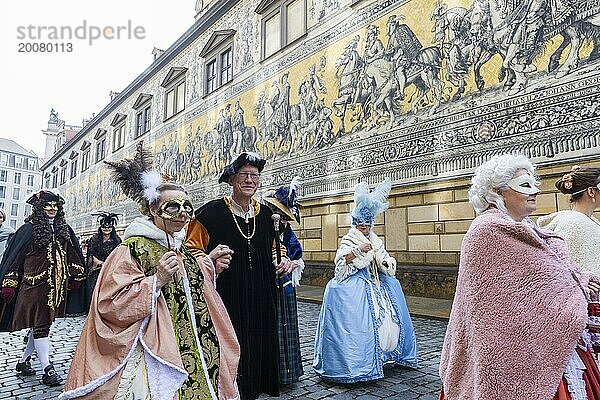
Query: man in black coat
x=247 y=287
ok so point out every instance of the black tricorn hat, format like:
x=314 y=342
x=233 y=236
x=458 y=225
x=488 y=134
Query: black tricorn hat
x=45 y=196
x=247 y=158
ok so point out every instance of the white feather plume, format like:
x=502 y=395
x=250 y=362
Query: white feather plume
x=361 y=193
x=295 y=185
x=252 y=156
x=380 y=194
x=150 y=181
x=368 y=205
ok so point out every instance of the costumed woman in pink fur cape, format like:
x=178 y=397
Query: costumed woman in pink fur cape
x=520 y=308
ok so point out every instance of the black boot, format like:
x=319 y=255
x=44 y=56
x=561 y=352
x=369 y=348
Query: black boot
x=24 y=368
x=50 y=377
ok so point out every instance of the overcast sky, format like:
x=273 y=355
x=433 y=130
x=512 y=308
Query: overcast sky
x=77 y=83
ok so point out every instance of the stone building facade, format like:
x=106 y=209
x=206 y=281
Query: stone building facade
x=338 y=91
x=20 y=177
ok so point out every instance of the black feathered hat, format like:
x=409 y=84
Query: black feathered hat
x=137 y=179
x=247 y=158
x=45 y=196
x=107 y=219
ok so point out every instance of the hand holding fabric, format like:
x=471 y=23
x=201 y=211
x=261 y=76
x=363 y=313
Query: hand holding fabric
x=365 y=247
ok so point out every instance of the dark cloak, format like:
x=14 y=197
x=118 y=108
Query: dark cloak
x=76 y=299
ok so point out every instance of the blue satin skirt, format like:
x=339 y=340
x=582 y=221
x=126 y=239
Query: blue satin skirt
x=347 y=346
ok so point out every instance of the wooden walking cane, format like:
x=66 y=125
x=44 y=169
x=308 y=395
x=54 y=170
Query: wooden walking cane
x=276 y=218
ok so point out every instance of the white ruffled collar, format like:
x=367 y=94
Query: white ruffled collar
x=142 y=226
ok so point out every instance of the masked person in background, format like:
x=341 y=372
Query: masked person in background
x=100 y=245
x=283 y=202
x=41 y=264
x=156 y=327
x=581 y=230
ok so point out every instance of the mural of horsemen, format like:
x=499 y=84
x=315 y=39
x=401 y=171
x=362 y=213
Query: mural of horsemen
x=429 y=85
x=374 y=85
x=517 y=31
x=389 y=73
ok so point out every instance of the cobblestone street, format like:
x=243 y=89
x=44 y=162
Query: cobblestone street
x=421 y=384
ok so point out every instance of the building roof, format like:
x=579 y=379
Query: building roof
x=13 y=147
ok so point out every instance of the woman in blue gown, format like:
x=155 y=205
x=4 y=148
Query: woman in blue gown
x=364 y=321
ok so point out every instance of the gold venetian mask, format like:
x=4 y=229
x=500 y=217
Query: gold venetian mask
x=173 y=208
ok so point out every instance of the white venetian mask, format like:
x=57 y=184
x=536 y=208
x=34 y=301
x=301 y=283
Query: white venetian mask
x=525 y=184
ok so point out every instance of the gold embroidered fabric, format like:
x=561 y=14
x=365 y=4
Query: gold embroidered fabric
x=10 y=283
x=57 y=273
x=148 y=253
x=35 y=279
x=79 y=271
x=11 y=280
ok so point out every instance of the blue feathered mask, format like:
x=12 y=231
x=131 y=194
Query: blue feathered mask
x=285 y=199
x=368 y=205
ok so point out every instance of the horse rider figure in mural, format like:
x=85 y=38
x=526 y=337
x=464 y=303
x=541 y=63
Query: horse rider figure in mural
x=309 y=87
x=223 y=128
x=402 y=43
x=451 y=30
x=529 y=20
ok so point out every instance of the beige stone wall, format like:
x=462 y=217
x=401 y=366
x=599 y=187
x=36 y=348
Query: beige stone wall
x=424 y=225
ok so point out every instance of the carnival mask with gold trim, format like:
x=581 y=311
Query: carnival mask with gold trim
x=173 y=208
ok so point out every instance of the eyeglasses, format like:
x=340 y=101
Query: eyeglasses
x=246 y=175
x=172 y=209
x=51 y=206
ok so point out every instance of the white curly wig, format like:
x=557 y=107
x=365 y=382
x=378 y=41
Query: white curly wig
x=492 y=177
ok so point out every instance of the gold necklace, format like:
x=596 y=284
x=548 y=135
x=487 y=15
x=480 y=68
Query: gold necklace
x=250 y=236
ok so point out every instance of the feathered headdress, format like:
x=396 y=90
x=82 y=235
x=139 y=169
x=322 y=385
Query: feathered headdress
x=368 y=205
x=137 y=179
x=285 y=199
x=106 y=218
